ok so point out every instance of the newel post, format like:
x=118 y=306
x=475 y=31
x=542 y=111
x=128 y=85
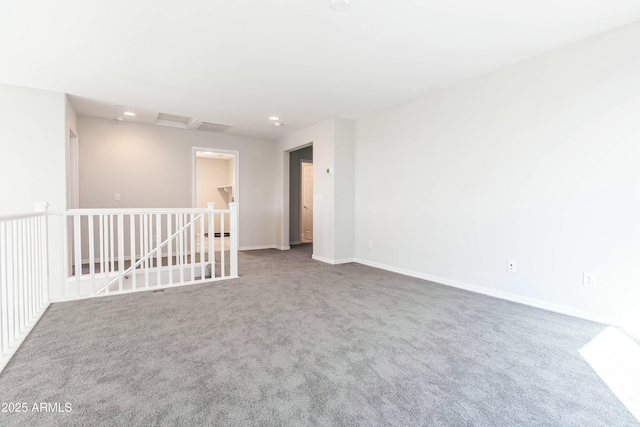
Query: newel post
x=234 y=239
x=41 y=206
x=44 y=246
x=211 y=232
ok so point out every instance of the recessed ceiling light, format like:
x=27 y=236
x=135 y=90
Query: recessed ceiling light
x=220 y=155
x=208 y=153
x=340 y=5
x=277 y=124
x=119 y=119
x=274 y=118
x=129 y=113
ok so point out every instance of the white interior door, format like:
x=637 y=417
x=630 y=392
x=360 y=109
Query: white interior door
x=307 y=202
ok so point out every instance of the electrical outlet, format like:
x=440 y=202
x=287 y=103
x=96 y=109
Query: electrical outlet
x=370 y=244
x=590 y=280
x=116 y=197
x=511 y=266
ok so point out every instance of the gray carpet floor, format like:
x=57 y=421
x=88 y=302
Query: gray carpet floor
x=296 y=342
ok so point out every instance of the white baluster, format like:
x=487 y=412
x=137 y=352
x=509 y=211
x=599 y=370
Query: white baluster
x=64 y=253
x=112 y=245
x=77 y=243
x=158 y=249
x=146 y=251
x=120 y=251
x=28 y=225
x=13 y=294
x=202 y=253
x=170 y=247
x=92 y=261
x=233 y=249
x=192 y=246
x=132 y=254
x=181 y=246
x=19 y=276
x=4 y=285
x=223 y=270
x=211 y=250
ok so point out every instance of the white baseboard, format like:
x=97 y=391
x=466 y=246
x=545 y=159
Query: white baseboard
x=319 y=258
x=333 y=261
x=343 y=261
x=255 y=248
x=557 y=308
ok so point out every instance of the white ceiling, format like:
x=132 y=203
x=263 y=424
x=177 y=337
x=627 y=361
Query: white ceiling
x=238 y=62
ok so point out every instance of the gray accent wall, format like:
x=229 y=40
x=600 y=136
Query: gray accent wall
x=295 y=202
x=151 y=167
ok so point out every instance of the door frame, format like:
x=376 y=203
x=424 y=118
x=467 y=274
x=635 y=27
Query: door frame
x=302 y=162
x=73 y=172
x=72 y=197
x=236 y=172
x=286 y=194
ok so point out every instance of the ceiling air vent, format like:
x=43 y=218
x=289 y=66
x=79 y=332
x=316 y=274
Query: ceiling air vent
x=173 y=120
x=213 y=127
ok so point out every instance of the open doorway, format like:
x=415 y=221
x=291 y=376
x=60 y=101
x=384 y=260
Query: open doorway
x=301 y=195
x=307 y=200
x=215 y=180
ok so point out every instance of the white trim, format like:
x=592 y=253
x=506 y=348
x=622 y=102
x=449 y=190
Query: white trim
x=73 y=170
x=258 y=247
x=21 y=216
x=333 y=261
x=322 y=259
x=286 y=187
x=557 y=308
x=236 y=172
x=236 y=175
x=137 y=211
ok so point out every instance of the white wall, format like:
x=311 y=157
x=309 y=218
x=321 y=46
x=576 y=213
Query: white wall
x=537 y=163
x=71 y=121
x=150 y=166
x=344 y=189
x=331 y=208
x=295 y=192
x=32 y=147
x=322 y=136
x=34 y=133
